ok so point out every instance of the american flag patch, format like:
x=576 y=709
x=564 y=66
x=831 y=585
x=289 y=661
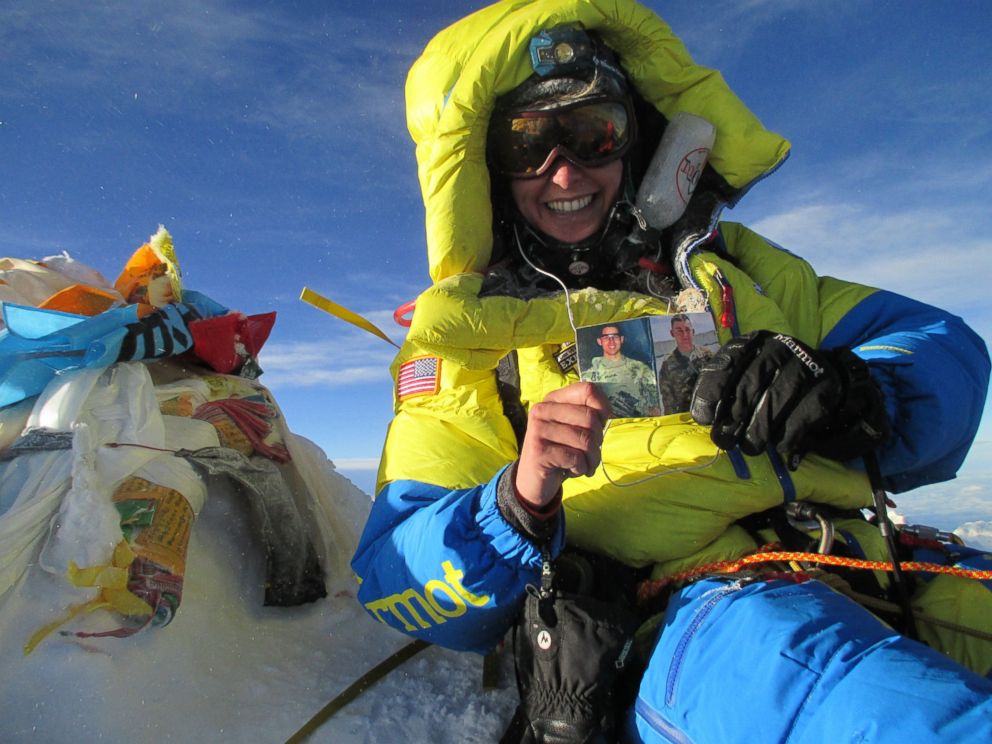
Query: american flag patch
x=419 y=376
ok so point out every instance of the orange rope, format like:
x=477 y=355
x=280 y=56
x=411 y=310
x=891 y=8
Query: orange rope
x=648 y=589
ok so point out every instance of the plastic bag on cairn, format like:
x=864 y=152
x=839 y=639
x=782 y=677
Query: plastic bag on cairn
x=118 y=406
x=55 y=452
x=124 y=524
x=32 y=486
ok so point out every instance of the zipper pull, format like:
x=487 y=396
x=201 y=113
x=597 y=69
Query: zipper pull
x=727 y=296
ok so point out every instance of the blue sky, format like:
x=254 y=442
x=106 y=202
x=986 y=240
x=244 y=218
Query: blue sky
x=270 y=139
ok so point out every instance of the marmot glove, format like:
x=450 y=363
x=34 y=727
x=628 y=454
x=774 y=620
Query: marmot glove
x=769 y=389
x=569 y=652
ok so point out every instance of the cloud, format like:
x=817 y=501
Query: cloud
x=917 y=252
x=976 y=534
x=352 y=358
x=311 y=376
x=72 y=46
x=356 y=463
x=726 y=31
x=889 y=216
x=23 y=243
x=322 y=75
x=967 y=498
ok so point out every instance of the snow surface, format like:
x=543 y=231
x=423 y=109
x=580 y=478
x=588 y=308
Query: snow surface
x=228 y=669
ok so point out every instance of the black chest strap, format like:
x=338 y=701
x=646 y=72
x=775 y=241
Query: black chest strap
x=508 y=385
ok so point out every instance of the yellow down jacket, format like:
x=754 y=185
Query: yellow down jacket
x=664 y=494
x=664 y=491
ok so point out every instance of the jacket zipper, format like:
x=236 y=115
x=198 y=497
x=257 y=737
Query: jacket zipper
x=680 y=650
x=659 y=724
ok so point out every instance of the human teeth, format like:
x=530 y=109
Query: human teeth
x=569 y=205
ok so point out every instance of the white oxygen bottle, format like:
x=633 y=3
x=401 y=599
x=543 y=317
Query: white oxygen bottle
x=674 y=170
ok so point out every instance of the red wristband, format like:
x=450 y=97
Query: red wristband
x=545 y=512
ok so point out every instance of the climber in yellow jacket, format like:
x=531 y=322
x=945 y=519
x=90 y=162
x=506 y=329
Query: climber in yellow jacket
x=534 y=124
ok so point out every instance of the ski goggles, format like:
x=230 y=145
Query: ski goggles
x=589 y=133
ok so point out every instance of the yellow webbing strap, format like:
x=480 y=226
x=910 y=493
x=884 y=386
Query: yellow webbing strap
x=364 y=682
x=114 y=594
x=339 y=311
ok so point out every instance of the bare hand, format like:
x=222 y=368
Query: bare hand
x=563 y=440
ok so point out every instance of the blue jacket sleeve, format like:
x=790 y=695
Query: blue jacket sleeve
x=445 y=566
x=933 y=371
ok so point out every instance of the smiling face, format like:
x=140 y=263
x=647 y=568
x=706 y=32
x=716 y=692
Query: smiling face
x=568 y=202
x=611 y=342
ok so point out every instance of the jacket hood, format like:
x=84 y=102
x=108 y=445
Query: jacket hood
x=451 y=90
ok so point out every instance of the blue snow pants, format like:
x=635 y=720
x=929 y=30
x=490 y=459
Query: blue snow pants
x=777 y=661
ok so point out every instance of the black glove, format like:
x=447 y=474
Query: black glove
x=569 y=652
x=770 y=389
